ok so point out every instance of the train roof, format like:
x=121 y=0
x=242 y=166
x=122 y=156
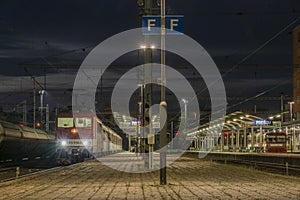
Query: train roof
x=9 y=129
x=75 y=115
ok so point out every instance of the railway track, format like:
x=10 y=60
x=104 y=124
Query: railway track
x=273 y=164
x=284 y=169
x=11 y=169
x=12 y=173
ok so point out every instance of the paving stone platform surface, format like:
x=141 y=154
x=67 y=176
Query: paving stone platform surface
x=188 y=178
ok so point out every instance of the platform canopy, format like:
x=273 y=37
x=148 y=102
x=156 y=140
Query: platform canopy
x=230 y=122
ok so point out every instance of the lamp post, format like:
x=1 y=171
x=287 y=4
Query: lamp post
x=291 y=109
x=34 y=99
x=42 y=92
x=185 y=112
x=163 y=104
x=292 y=125
x=141 y=117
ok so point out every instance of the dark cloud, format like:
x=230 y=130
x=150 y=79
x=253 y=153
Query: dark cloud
x=63 y=32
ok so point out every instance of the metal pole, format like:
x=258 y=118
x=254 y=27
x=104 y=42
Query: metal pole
x=47 y=119
x=222 y=141
x=41 y=92
x=172 y=135
x=252 y=139
x=232 y=137
x=25 y=115
x=237 y=143
x=291 y=110
x=260 y=137
x=294 y=137
x=41 y=108
x=163 y=147
x=185 y=113
x=292 y=124
x=34 y=103
x=163 y=47
x=142 y=113
x=129 y=143
x=147 y=88
x=281 y=107
x=245 y=138
x=163 y=104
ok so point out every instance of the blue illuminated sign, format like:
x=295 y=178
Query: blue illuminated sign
x=134 y=122
x=174 y=25
x=263 y=123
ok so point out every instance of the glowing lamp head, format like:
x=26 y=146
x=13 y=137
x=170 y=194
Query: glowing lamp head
x=74 y=131
x=38 y=124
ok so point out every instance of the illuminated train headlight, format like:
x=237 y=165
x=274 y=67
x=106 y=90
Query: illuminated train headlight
x=85 y=143
x=63 y=143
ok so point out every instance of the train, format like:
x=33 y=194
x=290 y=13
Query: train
x=83 y=136
x=273 y=142
x=19 y=143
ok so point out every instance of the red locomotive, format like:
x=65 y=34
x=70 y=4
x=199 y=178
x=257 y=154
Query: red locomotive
x=82 y=136
x=275 y=142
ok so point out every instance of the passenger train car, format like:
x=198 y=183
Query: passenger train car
x=275 y=142
x=83 y=136
x=22 y=143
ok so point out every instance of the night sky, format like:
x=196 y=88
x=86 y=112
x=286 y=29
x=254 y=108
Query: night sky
x=54 y=37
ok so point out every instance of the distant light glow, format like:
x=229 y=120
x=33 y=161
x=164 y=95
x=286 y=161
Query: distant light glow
x=73 y=130
x=63 y=143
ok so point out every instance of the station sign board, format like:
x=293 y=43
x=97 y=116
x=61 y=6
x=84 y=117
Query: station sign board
x=151 y=24
x=263 y=123
x=135 y=122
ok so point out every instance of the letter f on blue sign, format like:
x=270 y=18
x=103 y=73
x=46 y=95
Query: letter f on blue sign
x=149 y=23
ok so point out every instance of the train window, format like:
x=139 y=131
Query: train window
x=65 y=122
x=281 y=139
x=83 y=122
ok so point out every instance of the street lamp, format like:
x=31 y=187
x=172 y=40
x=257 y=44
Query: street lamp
x=41 y=93
x=291 y=109
x=185 y=112
x=143 y=47
x=292 y=125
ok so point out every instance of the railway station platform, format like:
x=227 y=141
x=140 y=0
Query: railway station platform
x=188 y=178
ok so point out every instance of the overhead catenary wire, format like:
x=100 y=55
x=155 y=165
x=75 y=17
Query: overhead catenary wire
x=223 y=75
x=249 y=55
